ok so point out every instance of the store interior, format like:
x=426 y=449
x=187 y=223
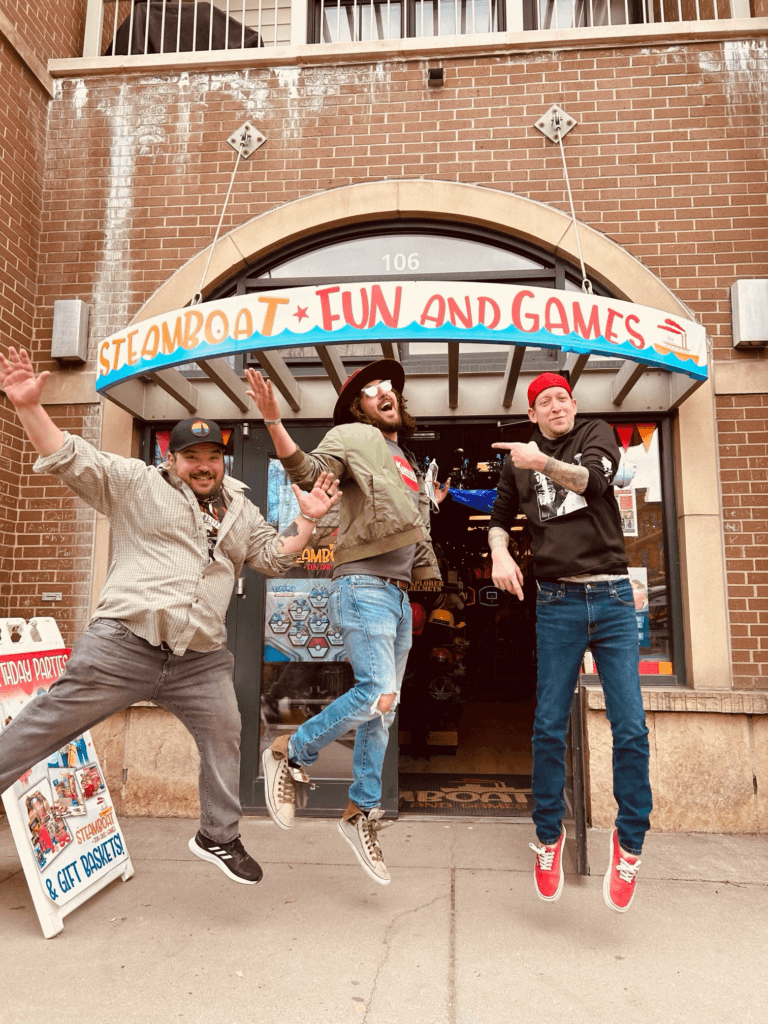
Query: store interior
x=468 y=697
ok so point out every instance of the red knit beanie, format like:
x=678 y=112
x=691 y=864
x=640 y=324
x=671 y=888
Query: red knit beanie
x=544 y=381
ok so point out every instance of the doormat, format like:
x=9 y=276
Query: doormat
x=479 y=796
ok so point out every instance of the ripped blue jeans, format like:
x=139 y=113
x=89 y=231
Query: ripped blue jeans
x=374 y=618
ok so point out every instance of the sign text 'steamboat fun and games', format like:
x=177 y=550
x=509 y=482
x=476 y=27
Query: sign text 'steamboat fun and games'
x=405 y=310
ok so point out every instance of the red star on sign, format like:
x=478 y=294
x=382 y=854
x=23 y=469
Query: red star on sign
x=301 y=314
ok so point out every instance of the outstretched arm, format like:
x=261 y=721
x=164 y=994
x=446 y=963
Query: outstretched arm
x=262 y=393
x=530 y=456
x=24 y=389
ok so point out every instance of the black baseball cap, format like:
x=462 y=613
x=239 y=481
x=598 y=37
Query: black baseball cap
x=195 y=431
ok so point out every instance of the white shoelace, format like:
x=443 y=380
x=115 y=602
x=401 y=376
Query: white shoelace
x=545 y=856
x=287 y=778
x=626 y=870
x=371 y=828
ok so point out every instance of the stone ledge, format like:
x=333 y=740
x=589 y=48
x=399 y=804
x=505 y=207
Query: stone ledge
x=373 y=51
x=726 y=702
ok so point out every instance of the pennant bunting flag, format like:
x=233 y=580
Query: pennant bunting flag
x=625 y=432
x=646 y=431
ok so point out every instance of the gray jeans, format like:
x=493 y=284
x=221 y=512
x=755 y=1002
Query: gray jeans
x=109 y=669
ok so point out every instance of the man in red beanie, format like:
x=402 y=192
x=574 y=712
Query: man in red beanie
x=383 y=543
x=561 y=481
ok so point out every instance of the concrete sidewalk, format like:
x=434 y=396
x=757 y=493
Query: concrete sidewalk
x=459 y=937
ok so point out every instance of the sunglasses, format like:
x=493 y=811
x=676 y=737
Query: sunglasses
x=373 y=389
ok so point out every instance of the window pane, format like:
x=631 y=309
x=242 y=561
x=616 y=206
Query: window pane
x=640 y=505
x=349 y=23
x=305 y=666
x=396 y=255
x=455 y=17
x=556 y=14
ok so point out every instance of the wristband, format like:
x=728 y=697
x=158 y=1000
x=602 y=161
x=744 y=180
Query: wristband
x=271 y=423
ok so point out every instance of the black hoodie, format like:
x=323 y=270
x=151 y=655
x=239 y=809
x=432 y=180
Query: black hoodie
x=571 y=534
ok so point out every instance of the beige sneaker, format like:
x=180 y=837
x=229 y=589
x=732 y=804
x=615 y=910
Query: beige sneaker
x=280 y=780
x=361 y=829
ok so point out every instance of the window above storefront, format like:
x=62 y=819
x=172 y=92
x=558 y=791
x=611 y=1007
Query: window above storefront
x=167 y=29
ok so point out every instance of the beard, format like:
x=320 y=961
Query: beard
x=204 y=479
x=383 y=425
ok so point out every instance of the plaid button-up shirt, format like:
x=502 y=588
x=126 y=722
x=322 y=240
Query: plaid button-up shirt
x=160 y=581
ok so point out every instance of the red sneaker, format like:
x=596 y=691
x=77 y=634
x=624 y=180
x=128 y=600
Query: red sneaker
x=620 y=878
x=548 y=875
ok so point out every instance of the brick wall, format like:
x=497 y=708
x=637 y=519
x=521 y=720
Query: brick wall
x=743 y=438
x=668 y=160
x=45 y=542
x=53 y=28
x=22 y=137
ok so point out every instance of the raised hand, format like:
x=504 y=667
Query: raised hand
x=442 y=489
x=17 y=376
x=262 y=393
x=321 y=498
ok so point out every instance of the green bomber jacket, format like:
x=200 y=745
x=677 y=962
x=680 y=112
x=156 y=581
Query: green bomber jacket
x=375 y=514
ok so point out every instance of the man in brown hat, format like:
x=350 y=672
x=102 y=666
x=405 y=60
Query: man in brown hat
x=180 y=534
x=383 y=543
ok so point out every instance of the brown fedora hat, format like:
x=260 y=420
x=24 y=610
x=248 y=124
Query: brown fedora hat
x=382 y=369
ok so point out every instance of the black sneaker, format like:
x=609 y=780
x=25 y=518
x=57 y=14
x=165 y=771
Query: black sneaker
x=230 y=857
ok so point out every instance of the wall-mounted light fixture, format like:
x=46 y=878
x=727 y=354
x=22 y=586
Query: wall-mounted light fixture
x=749 y=313
x=435 y=76
x=69 y=342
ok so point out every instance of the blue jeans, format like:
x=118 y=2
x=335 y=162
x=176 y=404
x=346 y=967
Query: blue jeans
x=375 y=620
x=569 y=618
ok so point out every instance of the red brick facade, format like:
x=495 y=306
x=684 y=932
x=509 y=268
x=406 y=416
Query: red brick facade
x=668 y=160
x=39 y=525
x=743 y=435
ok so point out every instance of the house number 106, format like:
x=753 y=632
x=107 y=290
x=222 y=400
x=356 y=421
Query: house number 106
x=400 y=261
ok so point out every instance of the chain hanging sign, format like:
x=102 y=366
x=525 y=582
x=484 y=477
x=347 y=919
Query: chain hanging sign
x=405 y=311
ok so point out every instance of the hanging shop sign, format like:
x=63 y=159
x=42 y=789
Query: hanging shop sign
x=405 y=311
x=60 y=811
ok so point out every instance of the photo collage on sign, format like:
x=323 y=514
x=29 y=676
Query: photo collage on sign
x=71 y=782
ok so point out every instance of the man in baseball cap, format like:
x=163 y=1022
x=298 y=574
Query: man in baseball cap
x=562 y=481
x=158 y=630
x=383 y=543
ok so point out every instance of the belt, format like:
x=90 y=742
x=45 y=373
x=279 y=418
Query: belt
x=396 y=583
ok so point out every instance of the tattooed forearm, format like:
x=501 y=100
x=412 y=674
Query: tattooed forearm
x=497 y=538
x=291 y=530
x=574 y=478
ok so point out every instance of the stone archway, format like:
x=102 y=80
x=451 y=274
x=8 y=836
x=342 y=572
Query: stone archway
x=697 y=480
x=548 y=228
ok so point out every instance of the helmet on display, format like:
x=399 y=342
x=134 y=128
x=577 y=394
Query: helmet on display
x=441 y=617
x=441 y=655
x=443 y=688
x=419 y=618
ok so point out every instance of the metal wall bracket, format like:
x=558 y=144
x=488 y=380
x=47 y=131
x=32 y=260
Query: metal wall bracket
x=246 y=140
x=556 y=124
